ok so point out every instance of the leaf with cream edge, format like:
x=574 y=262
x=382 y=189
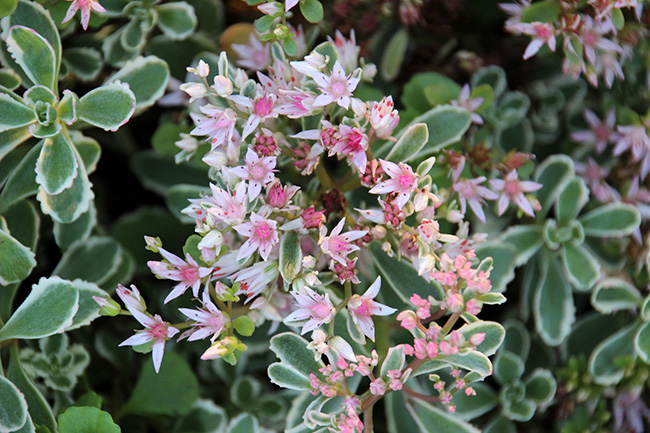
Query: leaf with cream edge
x=494 y=335
x=582 y=268
x=573 y=196
x=553 y=174
x=108 y=107
x=56 y=167
x=13 y=407
x=611 y=220
x=395 y=360
x=409 y=144
x=16 y=260
x=146 y=77
x=541 y=386
x=527 y=239
x=614 y=294
x=177 y=20
x=431 y=419
x=94 y=260
x=53 y=301
x=14 y=114
x=290 y=256
x=394 y=53
x=88 y=308
x=34 y=54
x=285 y=376
x=642 y=342
x=471 y=360
x=293 y=352
x=553 y=306
x=603 y=365
x=445 y=124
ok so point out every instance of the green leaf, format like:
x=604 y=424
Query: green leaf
x=177 y=20
x=13 y=407
x=67 y=108
x=508 y=367
x=243 y=423
x=611 y=220
x=147 y=78
x=573 y=196
x=22 y=182
x=292 y=350
x=173 y=391
x=79 y=230
x=603 y=365
x=642 y=342
x=84 y=62
x=473 y=406
x=245 y=391
x=541 y=386
x=504 y=256
x=581 y=267
x=177 y=198
x=471 y=360
x=527 y=240
x=285 y=376
x=500 y=424
x=543 y=11
x=205 y=417
x=244 y=326
x=553 y=303
x=394 y=53
x=328 y=50
x=517 y=339
x=553 y=173
x=402 y=277
x=11 y=139
x=134 y=36
x=88 y=148
x=8 y=7
x=430 y=419
x=494 y=335
x=160 y=174
x=56 y=166
x=23 y=221
x=614 y=294
x=519 y=410
x=34 y=54
x=395 y=360
x=312 y=10
x=71 y=203
x=409 y=144
x=93 y=260
x=86 y=419
x=290 y=46
x=290 y=256
x=88 y=308
x=263 y=23
x=511 y=109
x=398 y=419
x=16 y=260
x=32 y=15
x=618 y=18
x=53 y=301
x=645 y=309
x=493 y=76
x=108 y=107
x=14 y=114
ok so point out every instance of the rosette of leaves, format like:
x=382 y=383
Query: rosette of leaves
x=560 y=252
x=176 y=20
x=57 y=363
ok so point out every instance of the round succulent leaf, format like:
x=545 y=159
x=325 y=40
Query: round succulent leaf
x=519 y=410
x=645 y=309
x=582 y=269
x=573 y=196
x=290 y=256
x=84 y=62
x=395 y=360
x=114 y=53
x=508 y=367
x=245 y=391
x=8 y=7
x=527 y=240
x=22 y=181
x=88 y=308
x=77 y=231
x=642 y=342
x=36 y=17
x=56 y=167
x=431 y=419
x=23 y=221
x=13 y=409
x=543 y=11
x=34 y=54
x=472 y=360
x=285 y=376
x=517 y=339
x=614 y=294
x=500 y=424
x=312 y=10
x=39 y=93
x=16 y=260
x=493 y=76
x=88 y=148
x=494 y=335
x=108 y=107
x=13 y=113
x=393 y=57
x=425 y=90
x=86 y=419
x=93 y=261
x=243 y=423
x=9 y=79
x=553 y=306
x=147 y=78
x=176 y=199
x=244 y=326
x=540 y=386
x=134 y=36
x=511 y=109
x=204 y=417
x=53 y=300
x=292 y=350
x=504 y=256
x=177 y=20
x=469 y=407
x=45 y=131
x=172 y=391
x=10 y=140
x=611 y=220
x=603 y=365
x=410 y=143
x=66 y=110
x=402 y=278
x=591 y=329
x=553 y=173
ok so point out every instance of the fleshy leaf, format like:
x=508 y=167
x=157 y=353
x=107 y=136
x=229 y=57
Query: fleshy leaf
x=494 y=335
x=445 y=124
x=84 y=62
x=393 y=58
x=24 y=221
x=409 y=144
x=541 y=386
x=177 y=20
x=603 y=365
x=312 y=10
x=14 y=114
x=573 y=196
x=642 y=342
x=67 y=108
x=34 y=16
x=16 y=260
x=53 y=300
x=94 y=260
x=553 y=306
x=34 y=54
x=614 y=294
x=504 y=256
x=527 y=240
x=519 y=410
x=292 y=350
x=543 y=11
x=56 y=167
x=8 y=7
x=511 y=109
x=86 y=419
x=500 y=424
x=108 y=107
x=517 y=339
x=395 y=360
x=611 y=220
x=472 y=360
x=285 y=376
x=473 y=406
x=430 y=419
x=553 y=173
x=13 y=410
x=244 y=423
x=290 y=256
x=88 y=308
x=11 y=139
x=22 y=182
x=147 y=78
x=582 y=269
x=508 y=367
x=79 y=230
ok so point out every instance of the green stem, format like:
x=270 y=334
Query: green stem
x=322 y=175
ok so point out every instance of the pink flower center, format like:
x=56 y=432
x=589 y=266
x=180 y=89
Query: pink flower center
x=601 y=132
x=363 y=308
x=189 y=274
x=263 y=106
x=257 y=172
x=263 y=231
x=511 y=187
x=337 y=244
x=406 y=180
x=590 y=38
x=159 y=332
x=320 y=310
x=339 y=89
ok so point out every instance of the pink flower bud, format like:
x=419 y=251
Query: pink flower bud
x=477 y=338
